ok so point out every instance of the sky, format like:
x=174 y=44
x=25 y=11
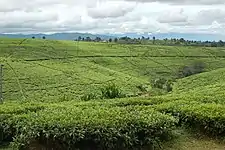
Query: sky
x=113 y=16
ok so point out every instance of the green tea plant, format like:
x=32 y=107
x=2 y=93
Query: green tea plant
x=209 y=117
x=91 y=126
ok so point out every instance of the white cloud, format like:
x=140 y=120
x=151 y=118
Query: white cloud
x=207 y=16
x=184 y=2
x=111 y=9
x=173 y=16
x=112 y=16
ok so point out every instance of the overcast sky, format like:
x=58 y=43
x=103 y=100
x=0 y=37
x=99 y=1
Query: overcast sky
x=112 y=16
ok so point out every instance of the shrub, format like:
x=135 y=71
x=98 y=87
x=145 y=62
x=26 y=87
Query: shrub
x=96 y=127
x=90 y=96
x=111 y=91
x=195 y=68
x=168 y=86
x=7 y=112
x=162 y=83
x=142 y=88
x=209 y=117
x=158 y=83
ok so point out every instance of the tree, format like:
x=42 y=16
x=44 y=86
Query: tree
x=125 y=38
x=220 y=43
x=195 y=68
x=79 y=38
x=165 y=40
x=88 y=38
x=110 y=40
x=98 y=39
x=182 y=40
x=33 y=37
x=153 y=40
x=115 y=40
x=43 y=37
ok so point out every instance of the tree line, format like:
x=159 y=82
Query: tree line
x=153 y=40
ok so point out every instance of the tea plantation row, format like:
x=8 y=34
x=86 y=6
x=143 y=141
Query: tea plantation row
x=70 y=127
x=113 y=124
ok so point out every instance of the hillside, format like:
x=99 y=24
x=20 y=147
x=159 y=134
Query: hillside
x=203 y=80
x=51 y=70
x=44 y=80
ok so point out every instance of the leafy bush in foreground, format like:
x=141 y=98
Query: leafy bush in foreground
x=208 y=117
x=92 y=127
x=7 y=131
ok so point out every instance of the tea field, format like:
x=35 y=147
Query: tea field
x=44 y=80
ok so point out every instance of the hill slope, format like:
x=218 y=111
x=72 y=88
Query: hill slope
x=51 y=75
x=52 y=70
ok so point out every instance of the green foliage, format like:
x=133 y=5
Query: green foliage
x=163 y=83
x=195 y=68
x=158 y=83
x=209 y=118
x=142 y=88
x=89 y=96
x=48 y=69
x=61 y=71
x=208 y=82
x=111 y=91
x=89 y=126
x=7 y=112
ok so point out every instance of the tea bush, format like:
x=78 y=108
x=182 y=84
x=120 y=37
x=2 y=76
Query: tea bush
x=96 y=127
x=7 y=129
x=208 y=117
x=163 y=83
x=89 y=96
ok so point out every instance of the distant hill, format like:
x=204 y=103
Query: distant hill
x=58 y=36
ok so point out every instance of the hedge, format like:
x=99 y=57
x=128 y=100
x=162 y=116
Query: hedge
x=90 y=127
x=208 y=117
x=7 y=131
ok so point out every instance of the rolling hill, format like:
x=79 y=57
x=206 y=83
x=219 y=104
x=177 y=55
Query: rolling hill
x=46 y=69
x=44 y=80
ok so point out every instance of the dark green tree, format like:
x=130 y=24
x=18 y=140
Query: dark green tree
x=116 y=40
x=88 y=39
x=154 y=39
x=98 y=39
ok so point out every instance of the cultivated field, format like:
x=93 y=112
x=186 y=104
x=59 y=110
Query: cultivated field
x=44 y=82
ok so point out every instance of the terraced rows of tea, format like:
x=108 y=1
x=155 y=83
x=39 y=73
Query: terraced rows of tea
x=44 y=80
x=52 y=70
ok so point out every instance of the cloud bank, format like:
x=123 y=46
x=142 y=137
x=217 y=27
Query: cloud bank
x=112 y=16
